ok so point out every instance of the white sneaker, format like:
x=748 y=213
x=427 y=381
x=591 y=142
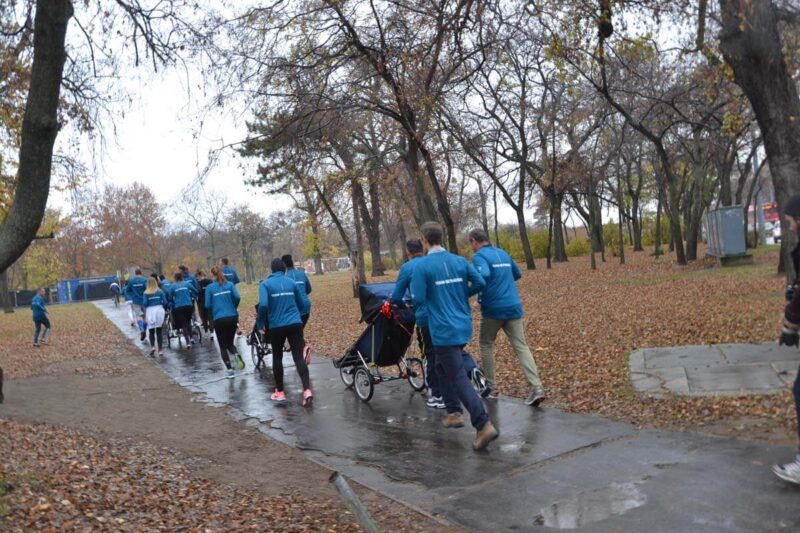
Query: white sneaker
x=789 y=471
x=435 y=403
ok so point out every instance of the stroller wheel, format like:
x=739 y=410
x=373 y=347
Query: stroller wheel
x=254 y=356
x=478 y=380
x=346 y=373
x=416 y=373
x=363 y=384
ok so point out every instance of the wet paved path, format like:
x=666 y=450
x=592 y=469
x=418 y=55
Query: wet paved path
x=548 y=470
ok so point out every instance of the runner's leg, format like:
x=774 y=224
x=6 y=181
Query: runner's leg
x=295 y=335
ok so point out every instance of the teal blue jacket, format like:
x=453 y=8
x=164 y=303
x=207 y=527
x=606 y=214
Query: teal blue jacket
x=38 y=306
x=157 y=298
x=442 y=284
x=134 y=289
x=182 y=294
x=301 y=280
x=402 y=285
x=500 y=299
x=222 y=300
x=279 y=301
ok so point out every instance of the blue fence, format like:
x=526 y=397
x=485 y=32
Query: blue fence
x=84 y=289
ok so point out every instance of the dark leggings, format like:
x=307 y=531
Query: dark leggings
x=305 y=318
x=183 y=321
x=278 y=337
x=225 y=329
x=156 y=338
x=205 y=315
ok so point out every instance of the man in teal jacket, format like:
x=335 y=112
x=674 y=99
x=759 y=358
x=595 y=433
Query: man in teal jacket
x=134 y=289
x=399 y=298
x=40 y=318
x=442 y=284
x=501 y=308
x=229 y=272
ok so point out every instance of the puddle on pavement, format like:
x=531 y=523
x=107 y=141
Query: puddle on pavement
x=592 y=506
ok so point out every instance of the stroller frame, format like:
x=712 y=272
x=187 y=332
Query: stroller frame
x=361 y=375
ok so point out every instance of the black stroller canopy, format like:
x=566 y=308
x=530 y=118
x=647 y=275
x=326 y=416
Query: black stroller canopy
x=371 y=297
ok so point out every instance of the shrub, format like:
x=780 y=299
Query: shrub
x=578 y=246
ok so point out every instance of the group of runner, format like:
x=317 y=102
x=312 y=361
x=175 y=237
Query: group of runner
x=439 y=285
x=281 y=315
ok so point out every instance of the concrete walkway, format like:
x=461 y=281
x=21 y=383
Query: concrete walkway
x=718 y=369
x=548 y=470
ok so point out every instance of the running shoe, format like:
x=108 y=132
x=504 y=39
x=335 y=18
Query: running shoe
x=535 y=398
x=152 y=352
x=161 y=353
x=789 y=471
x=435 y=402
x=239 y=361
x=43 y=341
x=307 y=354
x=308 y=397
x=278 y=396
x=229 y=373
x=491 y=394
x=35 y=345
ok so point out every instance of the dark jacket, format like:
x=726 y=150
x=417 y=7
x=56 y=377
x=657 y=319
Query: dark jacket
x=792 y=313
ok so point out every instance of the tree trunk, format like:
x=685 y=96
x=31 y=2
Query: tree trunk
x=403 y=239
x=549 y=236
x=357 y=254
x=755 y=52
x=620 y=222
x=559 y=246
x=39 y=129
x=441 y=200
x=425 y=210
x=371 y=226
x=523 y=236
x=336 y=220
x=496 y=230
x=694 y=209
x=5 y=296
x=657 y=248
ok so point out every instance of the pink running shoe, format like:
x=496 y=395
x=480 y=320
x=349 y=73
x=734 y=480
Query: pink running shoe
x=278 y=396
x=307 y=354
x=161 y=353
x=308 y=397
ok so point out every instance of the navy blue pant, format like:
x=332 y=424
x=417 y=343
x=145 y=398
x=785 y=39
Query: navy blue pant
x=451 y=362
x=44 y=321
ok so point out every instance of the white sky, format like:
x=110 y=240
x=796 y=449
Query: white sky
x=163 y=138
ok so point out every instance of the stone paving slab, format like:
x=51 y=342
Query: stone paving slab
x=549 y=469
x=722 y=369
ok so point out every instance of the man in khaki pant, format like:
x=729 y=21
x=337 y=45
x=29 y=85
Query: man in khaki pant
x=501 y=308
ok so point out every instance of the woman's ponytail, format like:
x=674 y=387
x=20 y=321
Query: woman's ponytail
x=217 y=273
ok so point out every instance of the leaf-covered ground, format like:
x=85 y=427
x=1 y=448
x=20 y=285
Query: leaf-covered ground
x=583 y=325
x=54 y=479
x=79 y=332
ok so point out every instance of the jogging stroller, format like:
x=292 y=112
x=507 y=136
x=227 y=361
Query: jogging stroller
x=259 y=344
x=383 y=344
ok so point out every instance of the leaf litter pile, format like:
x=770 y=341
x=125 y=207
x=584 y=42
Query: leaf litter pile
x=54 y=479
x=79 y=332
x=582 y=326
